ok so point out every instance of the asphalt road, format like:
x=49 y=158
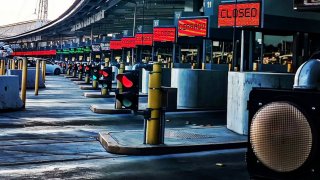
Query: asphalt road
x=55 y=138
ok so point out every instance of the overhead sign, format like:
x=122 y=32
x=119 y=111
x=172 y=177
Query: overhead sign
x=105 y=46
x=145 y=39
x=35 y=53
x=164 y=34
x=96 y=47
x=128 y=42
x=193 y=27
x=115 y=45
x=239 y=15
x=307 y=4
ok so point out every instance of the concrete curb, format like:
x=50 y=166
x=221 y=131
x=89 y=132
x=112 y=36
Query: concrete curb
x=112 y=146
x=75 y=79
x=89 y=88
x=81 y=83
x=95 y=109
x=88 y=95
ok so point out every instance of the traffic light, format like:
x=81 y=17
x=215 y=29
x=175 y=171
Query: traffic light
x=87 y=71
x=95 y=73
x=128 y=95
x=106 y=78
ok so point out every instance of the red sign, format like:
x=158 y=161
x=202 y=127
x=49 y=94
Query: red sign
x=164 y=34
x=193 y=27
x=145 y=39
x=241 y=14
x=128 y=42
x=35 y=53
x=115 y=45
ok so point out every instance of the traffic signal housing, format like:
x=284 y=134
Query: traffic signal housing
x=106 y=78
x=128 y=95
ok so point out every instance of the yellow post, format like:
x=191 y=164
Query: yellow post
x=255 y=66
x=36 y=86
x=13 y=64
x=153 y=127
x=119 y=85
x=44 y=66
x=289 y=68
x=203 y=67
x=1 y=67
x=24 y=81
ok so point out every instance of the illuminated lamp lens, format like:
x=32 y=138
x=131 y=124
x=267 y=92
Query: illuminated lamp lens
x=87 y=68
x=127 y=82
x=105 y=74
x=94 y=77
x=126 y=103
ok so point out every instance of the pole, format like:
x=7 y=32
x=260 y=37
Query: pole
x=119 y=85
x=36 y=86
x=44 y=65
x=154 y=134
x=24 y=81
x=2 y=67
x=242 y=51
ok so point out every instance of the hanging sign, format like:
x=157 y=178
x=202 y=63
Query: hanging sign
x=145 y=39
x=193 y=27
x=164 y=34
x=128 y=42
x=115 y=45
x=240 y=15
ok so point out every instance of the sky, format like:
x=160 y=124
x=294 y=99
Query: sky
x=13 y=11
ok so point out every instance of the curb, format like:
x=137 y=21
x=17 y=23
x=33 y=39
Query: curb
x=89 y=88
x=87 y=95
x=112 y=146
x=95 y=109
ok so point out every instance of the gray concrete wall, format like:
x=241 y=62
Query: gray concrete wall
x=240 y=85
x=9 y=93
x=200 y=88
x=30 y=79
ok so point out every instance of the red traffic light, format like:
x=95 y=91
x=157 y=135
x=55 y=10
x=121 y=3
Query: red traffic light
x=87 y=68
x=105 y=74
x=125 y=81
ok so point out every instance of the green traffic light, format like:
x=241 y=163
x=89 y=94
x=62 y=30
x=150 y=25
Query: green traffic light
x=126 y=103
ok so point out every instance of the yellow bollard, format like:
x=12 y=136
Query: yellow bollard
x=1 y=67
x=119 y=85
x=36 y=86
x=255 y=66
x=13 y=64
x=44 y=66
x=289 y=68
x=24 y=81
x=203 y=67
x=153 y=131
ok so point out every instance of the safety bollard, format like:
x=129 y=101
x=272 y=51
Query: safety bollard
x=36 y=87
x=1 y=67
x=203 y=66
x=13 y=64
x=119 y=85
x=24 y=81
x=155 y=126
x=289 y=68
x=255 y=66
x=44 y=66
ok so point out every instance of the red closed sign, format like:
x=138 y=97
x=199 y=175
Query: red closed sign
x=195 y=27
x=128 y=42
x=239 y=15
x=145 y=39
x=115 y=45
x=164 y=34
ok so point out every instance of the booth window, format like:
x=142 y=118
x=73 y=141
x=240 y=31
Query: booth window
x=277 y=49
x=221 y=52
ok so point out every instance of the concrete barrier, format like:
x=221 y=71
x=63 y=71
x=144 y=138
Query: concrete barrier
x=200 y=88
x=240 y=85
x=9 y=93
x=30 y=79
x=128 y=68
x=165 y=79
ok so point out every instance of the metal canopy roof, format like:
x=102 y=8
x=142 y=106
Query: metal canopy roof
x=118 y=16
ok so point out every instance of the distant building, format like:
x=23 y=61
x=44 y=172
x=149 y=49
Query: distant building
x=19 y=28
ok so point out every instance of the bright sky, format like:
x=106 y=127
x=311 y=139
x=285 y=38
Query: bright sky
x=13 y=11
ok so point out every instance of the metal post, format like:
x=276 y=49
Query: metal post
x=36 y=86
x=204 y=44
x=154 y=134
x=242 y=52
x=119 y=85
x=24 y=81
x=2 y=67
x=44 y=64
